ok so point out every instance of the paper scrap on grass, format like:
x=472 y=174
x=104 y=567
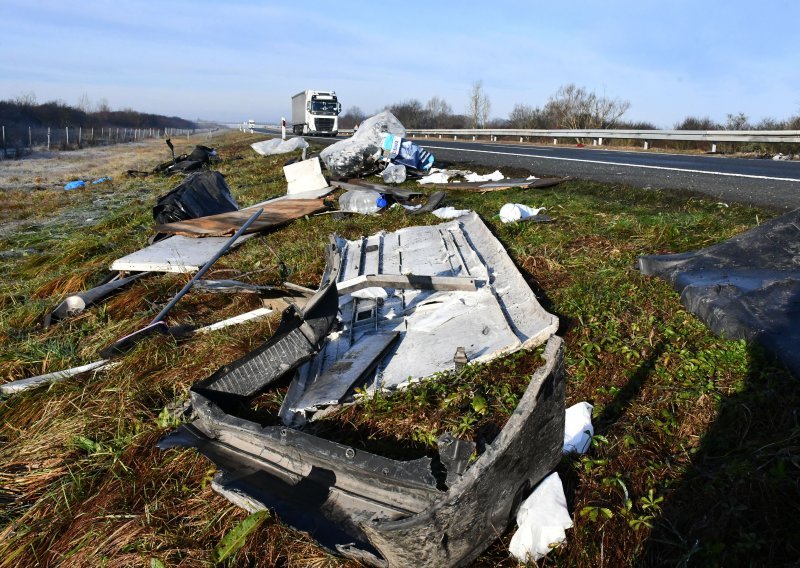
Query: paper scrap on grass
x=578 y=429
x=541 y=521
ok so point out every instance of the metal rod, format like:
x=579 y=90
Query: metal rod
x=206 y=266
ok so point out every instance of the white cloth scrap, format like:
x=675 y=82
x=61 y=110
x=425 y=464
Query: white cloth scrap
x=494 y=176
x=278 y=146
x=513 y=212
x=450 y=212
x=542 y=519
x=578 y=429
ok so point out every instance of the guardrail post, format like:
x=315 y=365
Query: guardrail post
x=646 y=145
x=30 y=139
x=555 y=141
x=4 y=141
x=440 y=136
x=520 y=138
x=48 y=137
x=473 y=138
x=599 y=141
x=455 y=137
x=713 y=148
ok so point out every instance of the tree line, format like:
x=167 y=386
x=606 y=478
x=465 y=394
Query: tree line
x=25 y=111
x=570 y=107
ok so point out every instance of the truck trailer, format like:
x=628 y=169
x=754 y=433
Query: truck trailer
x=316 y=113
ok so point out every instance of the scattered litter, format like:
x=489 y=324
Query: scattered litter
x=174 y=254
x=77 y=184
x=747 y=287
x=542 y=519
x=405 y=152
x=199 y=157
x=305 y=177
x=258 y=313
x=199 y=195
x=364 y=201
x=450 y=212
x=578 y=429
x=278 y=146
x=76 y=303
x=361 y=153
x=513 y=212
x=438 y=175
x=20 y=385
x=101 y=180
x=157 y=324
x=494 y=176
x=394 y=173
x=782 y=157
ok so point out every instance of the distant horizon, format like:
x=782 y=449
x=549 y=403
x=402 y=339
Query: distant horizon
x=245 y=60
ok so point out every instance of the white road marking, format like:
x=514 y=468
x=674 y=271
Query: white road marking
x=618 y=164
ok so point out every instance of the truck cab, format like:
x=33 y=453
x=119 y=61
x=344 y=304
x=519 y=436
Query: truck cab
x=316 y=113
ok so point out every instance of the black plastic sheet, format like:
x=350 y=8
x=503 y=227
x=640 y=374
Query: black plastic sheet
x=747 y=287
x=199 y=195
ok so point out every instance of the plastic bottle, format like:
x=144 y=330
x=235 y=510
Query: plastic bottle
x=362 y=201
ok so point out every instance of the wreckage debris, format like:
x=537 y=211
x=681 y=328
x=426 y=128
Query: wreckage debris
x=278 y=146
x=157 y=324
x=747 y=287
x=199 y=195
x=379 y=141
x=513 y=212
x=274 y=214
x=391 y=307
x=76 y=303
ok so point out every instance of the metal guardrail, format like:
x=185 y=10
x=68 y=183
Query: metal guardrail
x=647 y=136
x=788 y=136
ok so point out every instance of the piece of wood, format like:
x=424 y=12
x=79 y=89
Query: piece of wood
x=275 y=214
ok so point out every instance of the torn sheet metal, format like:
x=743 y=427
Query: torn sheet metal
x=381 y=511
x=469 y=294
x=747 y=287
x=275 y=214
x=174 y=254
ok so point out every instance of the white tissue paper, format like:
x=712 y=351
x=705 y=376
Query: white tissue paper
x=578 y=429
x=542 y=519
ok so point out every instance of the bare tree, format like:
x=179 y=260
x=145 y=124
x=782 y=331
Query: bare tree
x=525 y=116
x=354 y=115
x=695 y=123
x=102 y=105
x=26 y=99
x=410 y=113
x=738 y=122
x=438 y=111
x=84 y=103
x=574 y=107
x=478 y=106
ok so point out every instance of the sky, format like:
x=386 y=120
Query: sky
x=234 y=60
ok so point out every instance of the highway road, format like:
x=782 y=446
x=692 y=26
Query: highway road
x=761 y=182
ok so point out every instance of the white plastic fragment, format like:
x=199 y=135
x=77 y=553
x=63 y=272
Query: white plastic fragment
x=450 y=212
x=439 y=175
x=513 y=212
x=235 y=320
x=494 y=176
x=578 y=429
x=371 y=293
x=542 y=519
x=20 y=385
x=305 y=176
x=278 y=146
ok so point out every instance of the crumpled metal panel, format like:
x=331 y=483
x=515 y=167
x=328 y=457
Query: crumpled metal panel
x=382 y=511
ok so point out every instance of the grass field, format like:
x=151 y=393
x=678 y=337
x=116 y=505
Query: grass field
x=696 y=458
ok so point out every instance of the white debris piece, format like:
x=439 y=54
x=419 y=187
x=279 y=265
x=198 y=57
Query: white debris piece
x=494 y=176
x=542 y=519
x=305 y=176
x=450 y=212
x=439 y=175
x=513 y=212
x=578 y=429
x=278 y=146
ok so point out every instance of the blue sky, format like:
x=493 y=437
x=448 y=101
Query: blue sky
x=235 y=60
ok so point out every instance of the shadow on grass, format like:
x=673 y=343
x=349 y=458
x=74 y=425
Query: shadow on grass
x=739 y=502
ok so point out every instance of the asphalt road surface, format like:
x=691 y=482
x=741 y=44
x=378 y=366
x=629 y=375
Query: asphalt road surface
x=761 y=182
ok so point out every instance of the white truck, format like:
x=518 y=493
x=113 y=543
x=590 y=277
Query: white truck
x=316 y=113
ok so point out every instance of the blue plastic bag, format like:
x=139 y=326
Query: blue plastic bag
x=77 y=184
